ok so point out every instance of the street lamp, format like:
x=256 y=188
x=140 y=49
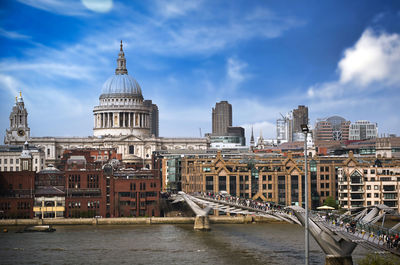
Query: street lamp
x=305 y=130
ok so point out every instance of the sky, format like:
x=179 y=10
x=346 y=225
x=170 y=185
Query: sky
x=264 y=57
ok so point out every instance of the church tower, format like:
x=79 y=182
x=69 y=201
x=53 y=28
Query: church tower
x=19 y=130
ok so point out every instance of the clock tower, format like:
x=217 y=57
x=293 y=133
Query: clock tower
x=19 y=131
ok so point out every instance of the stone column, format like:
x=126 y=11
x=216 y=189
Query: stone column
x=202 y=223
x=129 y=119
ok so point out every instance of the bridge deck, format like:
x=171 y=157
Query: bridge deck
x=365 y=239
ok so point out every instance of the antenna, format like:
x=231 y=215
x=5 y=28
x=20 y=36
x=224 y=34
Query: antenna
x=200 y=132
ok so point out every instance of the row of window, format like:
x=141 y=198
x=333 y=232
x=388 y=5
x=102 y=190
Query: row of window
x=5 y=206
x=10 y=161
x=23 y=205
x=5 y=161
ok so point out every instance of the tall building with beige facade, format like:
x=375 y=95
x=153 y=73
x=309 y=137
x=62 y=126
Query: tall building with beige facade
x=365 y=183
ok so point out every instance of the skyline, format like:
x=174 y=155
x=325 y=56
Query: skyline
x=264 y=59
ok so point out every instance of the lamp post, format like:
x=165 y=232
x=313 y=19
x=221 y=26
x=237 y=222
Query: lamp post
x=305 y=130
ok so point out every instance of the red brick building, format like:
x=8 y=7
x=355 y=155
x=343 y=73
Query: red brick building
x=134 y=193
x=16 y=194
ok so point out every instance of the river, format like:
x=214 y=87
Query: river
x=248 y=244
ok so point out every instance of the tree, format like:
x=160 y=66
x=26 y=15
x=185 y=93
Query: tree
x=330 y=201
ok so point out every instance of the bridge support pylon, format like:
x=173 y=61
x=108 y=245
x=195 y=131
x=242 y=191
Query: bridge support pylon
x=202 y=223
x=332 y=260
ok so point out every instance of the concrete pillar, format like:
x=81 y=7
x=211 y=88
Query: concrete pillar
x=129 y=119
x=330 y=260
x=202 y=223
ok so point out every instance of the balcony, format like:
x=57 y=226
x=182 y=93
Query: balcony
x=357 y=191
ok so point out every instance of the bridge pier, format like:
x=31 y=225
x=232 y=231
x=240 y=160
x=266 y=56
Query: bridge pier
x=202 y=223
x=332 y=260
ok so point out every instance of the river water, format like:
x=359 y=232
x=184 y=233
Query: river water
x=248 y=244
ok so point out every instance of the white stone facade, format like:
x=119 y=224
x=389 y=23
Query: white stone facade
x=122 y=120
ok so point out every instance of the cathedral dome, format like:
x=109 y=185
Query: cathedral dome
x=121 y=85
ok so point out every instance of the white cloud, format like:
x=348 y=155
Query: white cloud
x=101 y=6
x=372 y=64
x=374 y=58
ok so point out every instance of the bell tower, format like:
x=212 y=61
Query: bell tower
x=19 y=132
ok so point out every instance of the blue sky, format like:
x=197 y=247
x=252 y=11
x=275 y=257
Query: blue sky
x=264 y=57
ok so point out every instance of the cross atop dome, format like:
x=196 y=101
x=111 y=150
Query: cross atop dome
x=121 y=63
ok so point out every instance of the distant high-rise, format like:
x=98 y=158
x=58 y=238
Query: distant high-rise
x=334 y=128
x=221 y=118
x=300 y=116
x=284 y=128
x=362 y=130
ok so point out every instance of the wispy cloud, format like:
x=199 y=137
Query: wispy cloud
x=176 y=8
x=68 y=8
x=13 y=35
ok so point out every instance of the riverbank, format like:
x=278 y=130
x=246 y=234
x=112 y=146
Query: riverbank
x=136 y=221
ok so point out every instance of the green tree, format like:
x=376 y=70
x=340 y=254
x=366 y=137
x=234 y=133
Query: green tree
x=376 y=259
x=330 y=201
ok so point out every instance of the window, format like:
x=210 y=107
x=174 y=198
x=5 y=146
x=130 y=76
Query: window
x=322 y=185
x=11 y=169
x=376 y=187
x=0 y=160
x=321 y=169
x=131 y=149
x=270 y=186
x=376 y=195
x=36 y=160
x=326 y=169
x=322 y=177
x=17 y=161
x=327 y=177
x=264 y=186
x=5 y=161
x=368 y=187
x=11 y=161
x=368 y=203
x=269 y=178
x=365 y=171
x=16 y=168
x=48 y=151
x=372 y=171
x=322 y=193
x=327 y=186
x=327 y=193
x=368 y=195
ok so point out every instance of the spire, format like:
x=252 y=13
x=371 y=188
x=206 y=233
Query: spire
x=121 y=63
x=252 y=137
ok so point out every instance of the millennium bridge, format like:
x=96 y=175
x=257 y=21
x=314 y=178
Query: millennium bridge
x=333 y=233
